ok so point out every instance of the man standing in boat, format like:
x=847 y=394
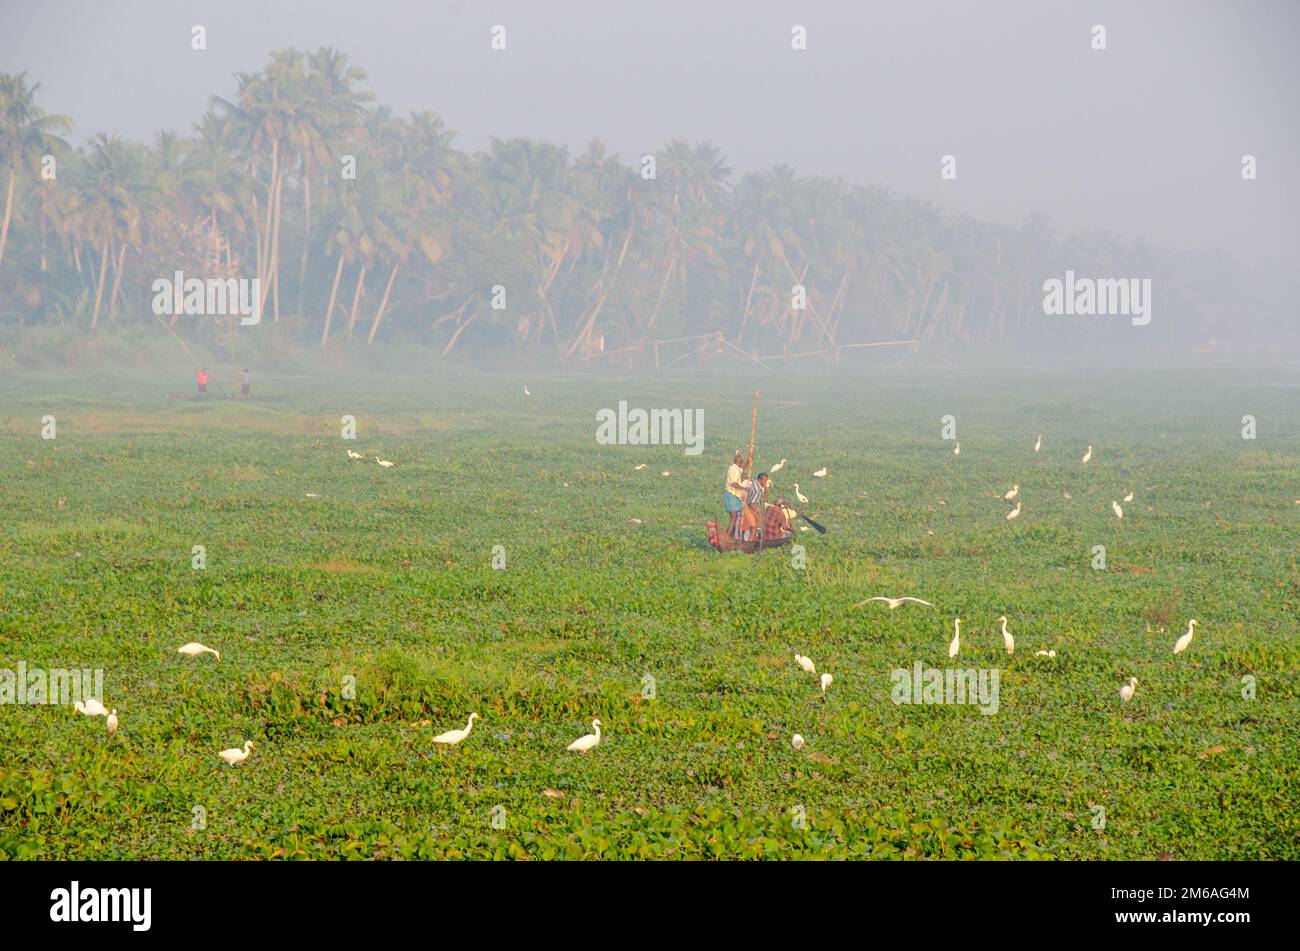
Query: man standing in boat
x=752 y=517
x=733 y=491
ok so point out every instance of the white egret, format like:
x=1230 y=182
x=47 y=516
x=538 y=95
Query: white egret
x=1129 y=497
x=806 y=663
x=1114 y=507
x=640 y=467
x=1126 y=691
x=777 y=468
x=354 y=455
x=1067 y=495
x=1039 y=443
x=1186 y=638
x=820 y=473
x=112 y=721
x=526 y=393
x=665 y=473
x=384 y=462
x=1051 y=653
x=1015 y=512
x=956 y=450
x=799 y=495
x=452 y=737
x=955 y=645
x=235 y=755
x=826 y=681
x=194 y=648
x=91 y=708
x=584 y=743
x=893 y=602
x=1015 y=490
x=1007 y=640
x=1087 y=455
x=796 y=741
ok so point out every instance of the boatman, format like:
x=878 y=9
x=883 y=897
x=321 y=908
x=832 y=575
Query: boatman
x=752 y=516
x=733 y=493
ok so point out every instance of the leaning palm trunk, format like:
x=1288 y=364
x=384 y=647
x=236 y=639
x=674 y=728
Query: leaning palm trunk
x=275 y=253
x=329 y=311
x=356 y=299
x=460 y=330
x=99 y=287
x=9 y=209
x=590 y=324
x=306 y=236
x=264 y=271
x=117 y=282
x=383 y=305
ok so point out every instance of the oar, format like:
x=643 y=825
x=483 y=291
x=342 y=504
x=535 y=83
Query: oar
x=819 y=528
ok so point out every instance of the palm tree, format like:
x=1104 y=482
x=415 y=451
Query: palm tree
x=26 y=134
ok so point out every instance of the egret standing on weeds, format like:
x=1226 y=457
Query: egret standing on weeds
x=1126 y=691
x=1186 y=638
x=776 y=468
x=806 y=663
x=584 y=743
x=1008 y=641
x=452 y=737
x=354 y=455
x=1015 y=490
x=384 y=462
x=235 y=755
x=820 y=473
x=91 y=708
x=1039 y=443
x=1087 y=455
x=1114 y=507
x=956 y=450
x=799 y=495
x=194 y=649
x=1015 y=512
x=826 y=681
x=112 y=721
x=955 y=645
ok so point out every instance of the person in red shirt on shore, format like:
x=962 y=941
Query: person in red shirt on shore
x=201 y=377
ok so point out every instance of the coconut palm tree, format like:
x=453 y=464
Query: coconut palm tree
x=27 y=133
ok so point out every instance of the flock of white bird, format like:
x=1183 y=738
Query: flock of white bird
x=235 y=755
x=1014 y=491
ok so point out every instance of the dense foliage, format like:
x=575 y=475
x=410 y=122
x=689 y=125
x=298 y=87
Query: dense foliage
x=593 y=254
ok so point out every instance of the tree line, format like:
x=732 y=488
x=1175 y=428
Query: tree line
x=363 y=225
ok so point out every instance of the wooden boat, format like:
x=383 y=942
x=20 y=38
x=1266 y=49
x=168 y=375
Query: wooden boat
x=722 y=541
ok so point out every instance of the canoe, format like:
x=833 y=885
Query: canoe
x=721 y=541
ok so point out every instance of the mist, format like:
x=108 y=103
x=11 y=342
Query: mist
x=586 y=185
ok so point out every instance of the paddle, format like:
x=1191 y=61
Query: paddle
x=819 y=528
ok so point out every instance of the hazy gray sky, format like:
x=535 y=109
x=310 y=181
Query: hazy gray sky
x=1145 y=138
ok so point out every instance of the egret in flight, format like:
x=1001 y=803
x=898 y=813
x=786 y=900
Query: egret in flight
x=893 y=602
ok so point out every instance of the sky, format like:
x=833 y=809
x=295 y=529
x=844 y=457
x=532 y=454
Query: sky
x=1145 y=138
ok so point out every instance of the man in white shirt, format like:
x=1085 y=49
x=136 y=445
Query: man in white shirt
x=733 y=492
